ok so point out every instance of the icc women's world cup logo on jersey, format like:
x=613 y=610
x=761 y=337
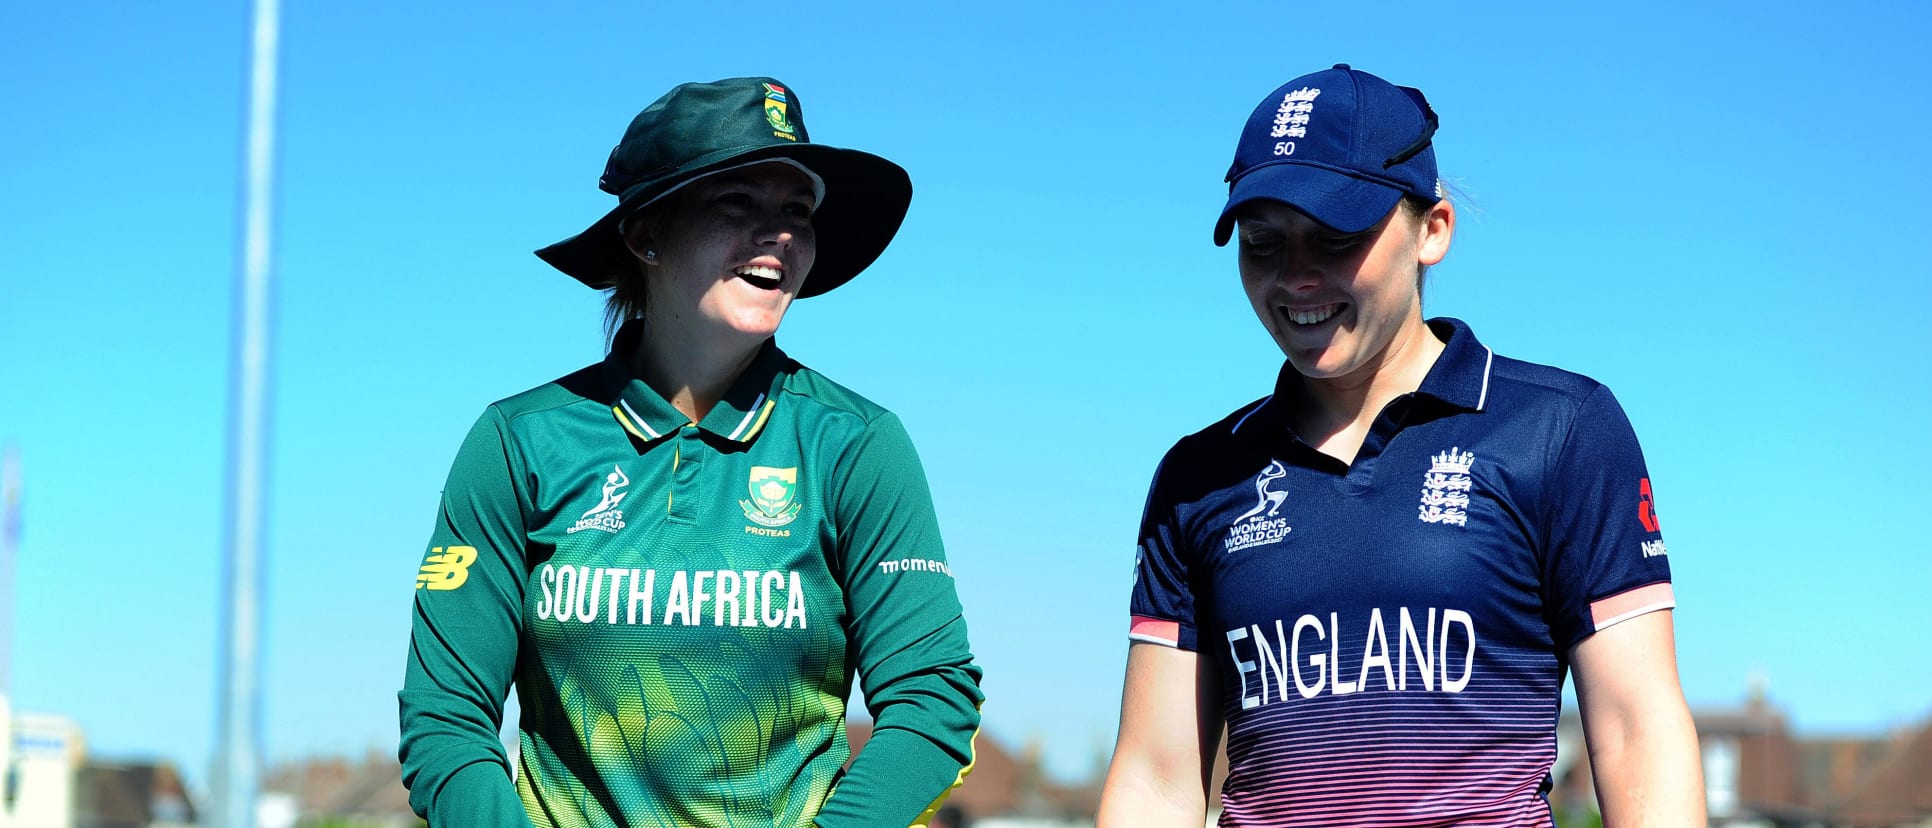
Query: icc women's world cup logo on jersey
x=774 y=496
x=605 y=516
x=1262 y=524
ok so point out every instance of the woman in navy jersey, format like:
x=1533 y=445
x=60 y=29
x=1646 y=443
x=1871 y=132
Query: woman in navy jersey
x=1377 y=577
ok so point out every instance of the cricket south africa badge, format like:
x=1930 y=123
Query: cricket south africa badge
x=775 y=105
x=774 y=496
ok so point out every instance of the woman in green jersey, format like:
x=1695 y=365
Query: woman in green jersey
x=681 y=556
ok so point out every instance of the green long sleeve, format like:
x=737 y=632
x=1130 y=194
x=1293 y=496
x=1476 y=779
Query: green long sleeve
x=463 y=642
x=908 y=637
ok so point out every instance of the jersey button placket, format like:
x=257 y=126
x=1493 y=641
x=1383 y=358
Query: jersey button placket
x=687 y=469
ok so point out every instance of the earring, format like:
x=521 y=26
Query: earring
x=650 y=255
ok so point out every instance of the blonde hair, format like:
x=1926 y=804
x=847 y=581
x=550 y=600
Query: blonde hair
x=624 y=300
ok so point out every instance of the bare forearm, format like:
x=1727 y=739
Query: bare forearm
x=1643 y=746
x=1134 y=799
x=1648 y=774
x=1158 y=776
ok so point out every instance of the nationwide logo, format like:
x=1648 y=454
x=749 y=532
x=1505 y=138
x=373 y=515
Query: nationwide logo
x=1445 y=488
x=1260 y=524
x=605 y=516
x=446 y=568
x=1647 y=515
x=775 y=104
x=774 y=496
x=1646 y=507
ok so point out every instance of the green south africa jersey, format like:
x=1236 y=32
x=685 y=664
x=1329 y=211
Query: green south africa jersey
x=682 y=608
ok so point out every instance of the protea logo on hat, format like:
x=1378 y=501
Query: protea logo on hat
x=698 y=129
x=1341 y=145
x=775 y=112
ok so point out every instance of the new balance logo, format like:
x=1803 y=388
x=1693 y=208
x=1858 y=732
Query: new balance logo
x=446 y=568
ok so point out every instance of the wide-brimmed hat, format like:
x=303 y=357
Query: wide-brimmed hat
x=701 y=128
x=1341 y=145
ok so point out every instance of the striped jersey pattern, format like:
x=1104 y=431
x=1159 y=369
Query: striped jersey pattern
x=1390 y=636
x=1339 y=759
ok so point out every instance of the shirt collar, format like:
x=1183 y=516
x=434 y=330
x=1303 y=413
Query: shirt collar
x=739 y=417
x=1460 y=376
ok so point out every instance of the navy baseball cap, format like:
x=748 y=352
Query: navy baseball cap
x=1341 y=145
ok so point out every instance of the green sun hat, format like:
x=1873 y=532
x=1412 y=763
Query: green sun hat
x=701 y=128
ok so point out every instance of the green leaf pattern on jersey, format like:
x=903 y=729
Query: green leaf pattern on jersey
x=738 y=726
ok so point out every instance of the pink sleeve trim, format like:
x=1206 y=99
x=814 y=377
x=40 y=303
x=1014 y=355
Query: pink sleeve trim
x=1629 y=604
x=1154 y=631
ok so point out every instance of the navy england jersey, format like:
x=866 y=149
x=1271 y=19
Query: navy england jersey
x=1391 y=636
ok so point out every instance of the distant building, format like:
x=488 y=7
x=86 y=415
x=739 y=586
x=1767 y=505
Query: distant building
x=1758 y=775
x=43 y=753
x=1896 y=789
x=132 y=795
x=366 y=794
x=50 y=783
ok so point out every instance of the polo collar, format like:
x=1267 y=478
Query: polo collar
x=739 y=417
x=1460 y=376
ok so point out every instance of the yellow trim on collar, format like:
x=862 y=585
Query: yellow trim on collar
x=625 y=421
x=762 y=417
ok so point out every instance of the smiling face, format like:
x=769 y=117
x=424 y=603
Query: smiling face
x=732 y=249
x=1340 y=304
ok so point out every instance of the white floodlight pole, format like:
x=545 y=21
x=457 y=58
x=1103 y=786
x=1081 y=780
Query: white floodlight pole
x=10 y=508
x=237 y=760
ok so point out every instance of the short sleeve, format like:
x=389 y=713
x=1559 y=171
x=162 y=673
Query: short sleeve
x=908 y=637
x=1162 y=608
x=464 y=639
x=1605 y=560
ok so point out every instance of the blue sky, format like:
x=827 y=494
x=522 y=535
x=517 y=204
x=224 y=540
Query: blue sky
x=1710 y=210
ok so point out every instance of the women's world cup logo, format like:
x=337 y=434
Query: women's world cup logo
x=774 y=496
x=775 y=105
